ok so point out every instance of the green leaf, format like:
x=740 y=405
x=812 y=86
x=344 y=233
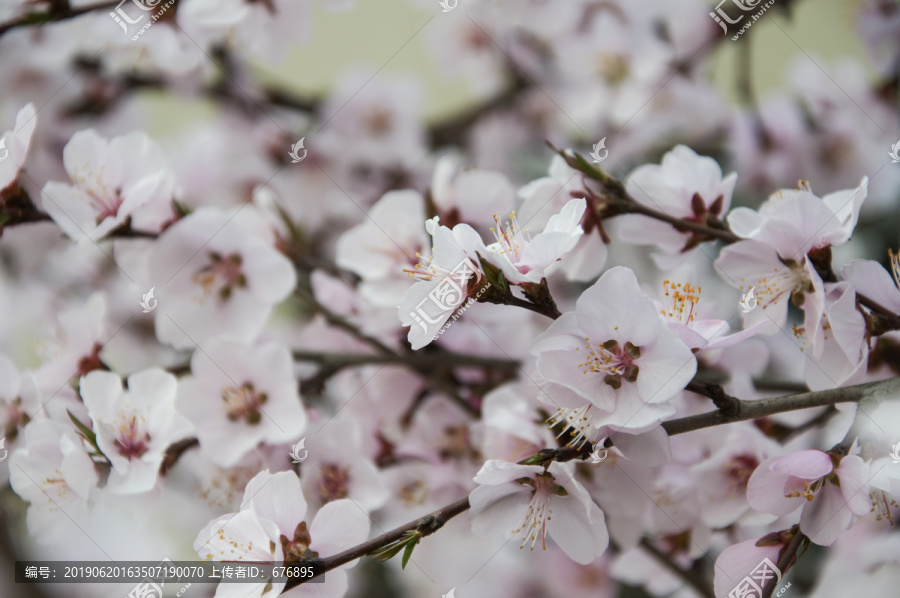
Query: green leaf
x=495 y=276
x=388 y=552
x=88 y=434
x=410 y=546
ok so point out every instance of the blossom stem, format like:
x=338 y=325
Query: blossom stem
x=694 y=580
x=786 y=560
x=747 y=410
x=415 y=360
x=426 y=526
x=551 y=311
x=174 y=452
x=58 y=11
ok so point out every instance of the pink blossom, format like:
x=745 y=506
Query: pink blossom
x=831 y=497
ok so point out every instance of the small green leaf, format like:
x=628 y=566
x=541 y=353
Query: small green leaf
x=88 y=434
x=410 y=546
x=387 y=553
x=495 y=276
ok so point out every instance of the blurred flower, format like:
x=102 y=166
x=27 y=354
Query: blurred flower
x=134 y=427
x=240 y=396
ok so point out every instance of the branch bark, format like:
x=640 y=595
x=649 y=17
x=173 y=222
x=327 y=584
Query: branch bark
x=53 y=15
x=747 y=410
x=427 y=525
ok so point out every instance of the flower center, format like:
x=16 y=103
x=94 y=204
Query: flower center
x=613 y=68
x=107 y=205
x=611 y=360
x=533 y=522
x=335 y=480
x=679 y=300
x=882 y=505
x=222 y=273
x=132 y=443
x=244 y=402
x=578 y=422
x=508 y=236
x=739 y=470
x=793 y=280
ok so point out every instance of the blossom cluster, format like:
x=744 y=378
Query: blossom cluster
x=217 y=348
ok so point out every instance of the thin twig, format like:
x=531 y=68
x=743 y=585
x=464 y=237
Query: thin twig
x=748 y=410
x=694 y=580
x=53 y=15
x=427 y=525
x=416 y=359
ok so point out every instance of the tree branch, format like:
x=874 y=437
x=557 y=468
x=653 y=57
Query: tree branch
x=56 y=12
x=786 y=560
x=747 y=410
x=416 y=359
x=690 y=577
x=426 y=525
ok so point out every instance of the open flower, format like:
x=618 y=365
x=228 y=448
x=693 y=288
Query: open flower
x=217 y=275
x=271 y=526
x=390 y=239
x=830 y=489
x=134 y=427
x=685 y=186
x=111 y=181
x=615 y=352
x=14 y=146
x=529 y=501
x=240 y=396
x=447 y=280
x=54 y=474
x=790 y=229
x=524 y=259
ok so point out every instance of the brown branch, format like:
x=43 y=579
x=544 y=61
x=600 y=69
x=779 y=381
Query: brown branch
x=418 y=359
x=630 y=206
x=426 y=526
x=786 y=560
x=174 y=452
x=56 y=12
x=746 y=410
x=691 y=577
x=453 y=130
x=615 y=201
